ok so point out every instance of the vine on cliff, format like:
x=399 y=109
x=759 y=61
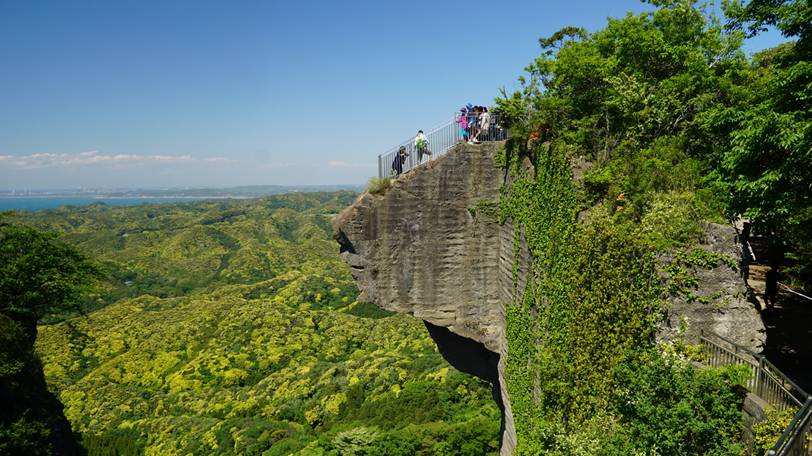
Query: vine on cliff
x=591 y=296
x=545 y=207
x=583 y=331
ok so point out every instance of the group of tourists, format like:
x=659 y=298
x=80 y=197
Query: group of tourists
x=474 y=123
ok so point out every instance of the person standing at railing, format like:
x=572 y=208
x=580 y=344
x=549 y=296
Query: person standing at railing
x=473 y=124
x=485 y=123
x=462 y=120
x=482 y=123
x=399 y=161
x=421 y=145
x=473 y=118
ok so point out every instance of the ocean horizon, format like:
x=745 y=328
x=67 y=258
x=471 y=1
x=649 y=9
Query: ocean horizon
x=37 y=203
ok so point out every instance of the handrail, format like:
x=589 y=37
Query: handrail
x=768 y=381
x=770 y=384
x=440 y=140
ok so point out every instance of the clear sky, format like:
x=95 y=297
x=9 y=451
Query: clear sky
x=220 y=93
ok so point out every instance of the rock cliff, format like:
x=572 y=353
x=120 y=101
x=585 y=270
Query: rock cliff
x=432 y=246
x=424 y=248
x=725 y=308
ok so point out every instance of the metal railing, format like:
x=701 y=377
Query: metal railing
x=772 y=386
x=440 y=140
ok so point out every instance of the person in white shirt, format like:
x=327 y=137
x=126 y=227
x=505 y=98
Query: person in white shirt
x=485 y=123
x=421 y=145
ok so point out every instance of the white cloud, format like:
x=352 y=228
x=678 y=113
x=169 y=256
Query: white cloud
x=90 y=158
x=343 y=164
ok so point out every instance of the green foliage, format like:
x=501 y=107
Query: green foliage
x=485 y=208
x=680 y=277
x=266 y=351
x=668 y=404
x=613 y=306
x=116 y=442
x=765 y=164
x=645 y=106
x=666 y=102
x=545 y=207
x=367 y=310
x=40 y=276
x=792 y=17
x=23 y=429
x=378 y=185
x=593 y=296
x=768 y=431
x=177 y=249
x=706 y=259
x=25 y=436
x=355 y=442
x=673 y=219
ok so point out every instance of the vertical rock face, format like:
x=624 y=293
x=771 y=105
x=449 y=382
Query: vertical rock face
x=724 y=308
x=432 y=246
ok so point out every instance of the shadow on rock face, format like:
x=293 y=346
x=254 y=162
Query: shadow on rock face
x=343 y=242
x=471 y=357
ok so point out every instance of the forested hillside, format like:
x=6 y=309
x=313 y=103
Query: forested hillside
x=668 y=124
x=232 y=327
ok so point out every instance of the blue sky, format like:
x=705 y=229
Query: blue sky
x=215 y=93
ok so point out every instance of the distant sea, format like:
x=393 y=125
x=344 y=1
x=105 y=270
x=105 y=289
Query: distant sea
x=36 y=203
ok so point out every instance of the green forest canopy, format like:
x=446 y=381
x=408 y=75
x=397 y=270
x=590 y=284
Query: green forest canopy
x=232 y=327
x=667 y=101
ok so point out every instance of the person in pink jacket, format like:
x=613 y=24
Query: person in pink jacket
x=462 y=120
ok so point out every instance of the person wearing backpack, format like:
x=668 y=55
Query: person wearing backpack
x=421 y=144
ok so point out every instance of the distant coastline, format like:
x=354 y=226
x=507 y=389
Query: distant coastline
x=37 y=203
x=34 y=200
x=176 y=192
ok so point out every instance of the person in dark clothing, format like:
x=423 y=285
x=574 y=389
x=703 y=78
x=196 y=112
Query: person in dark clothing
x=400 y=159
x=771 y=288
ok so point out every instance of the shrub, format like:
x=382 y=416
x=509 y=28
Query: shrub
x=378 y=185
x=767 y=432
x=669 y=405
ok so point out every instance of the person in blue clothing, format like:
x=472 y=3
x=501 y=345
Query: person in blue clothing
x=400 y=159
x=471 y=117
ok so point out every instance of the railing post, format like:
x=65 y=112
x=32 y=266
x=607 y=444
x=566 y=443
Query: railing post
x=760 y=377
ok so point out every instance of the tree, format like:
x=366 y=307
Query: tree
x=767 y=167
x=39 y=276
x=792 y=17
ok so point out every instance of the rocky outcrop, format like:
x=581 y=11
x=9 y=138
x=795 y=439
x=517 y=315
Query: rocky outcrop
x=432 y=246
x=721 y=305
